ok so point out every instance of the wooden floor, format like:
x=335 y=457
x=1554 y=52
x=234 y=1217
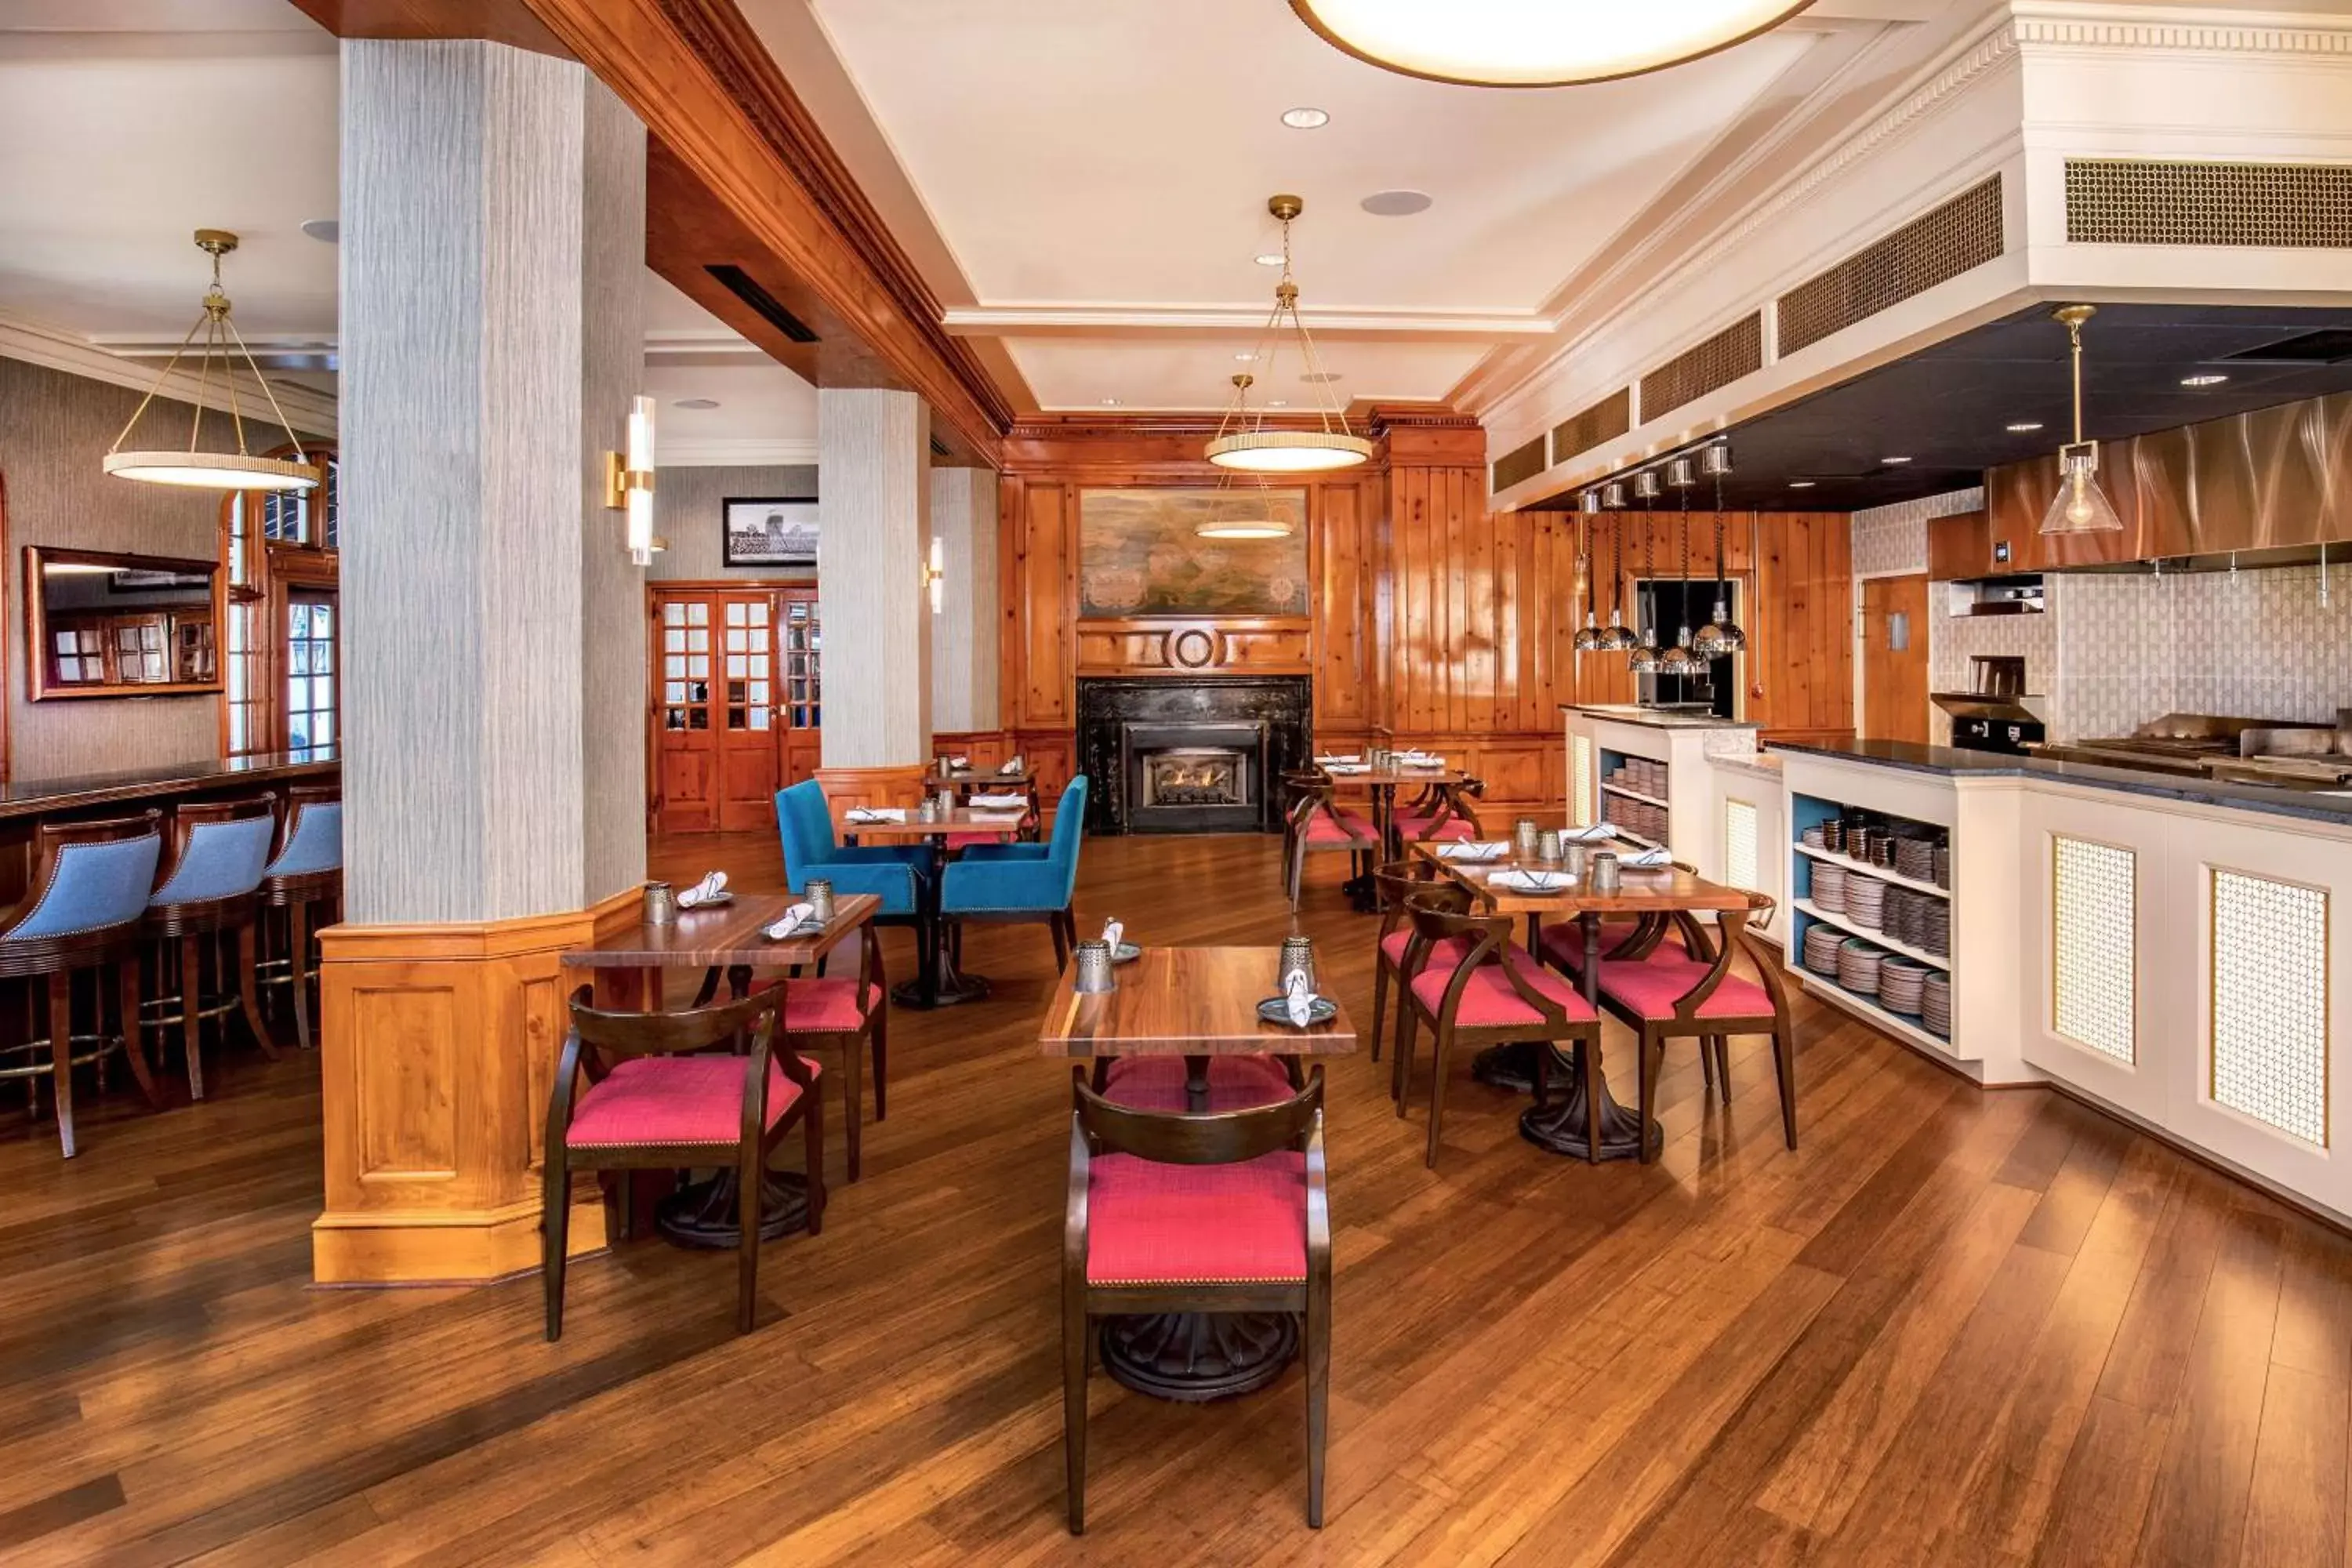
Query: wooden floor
x=1957 y=1329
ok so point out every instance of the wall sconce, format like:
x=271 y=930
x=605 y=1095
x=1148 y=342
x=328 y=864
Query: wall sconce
x=935 y=575
x=629 y=481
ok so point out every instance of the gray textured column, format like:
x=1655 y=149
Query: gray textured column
x=874 y=478
x=493 y=231
x=964 y=632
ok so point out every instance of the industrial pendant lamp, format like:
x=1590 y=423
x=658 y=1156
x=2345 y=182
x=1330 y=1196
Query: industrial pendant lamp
x=1588 y=635
x=1244 y=439
x=1536 y=43
x=1242 y=514
x=2081 y=506
x=1644 y=655
x=1721 y=635
x=1679 y=660
x=1616 y=637
x=194 y=469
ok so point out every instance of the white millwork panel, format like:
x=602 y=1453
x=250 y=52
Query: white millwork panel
x=1743 y=846
x=2266 y=1028
x=1581 y=761
x=2093 y=938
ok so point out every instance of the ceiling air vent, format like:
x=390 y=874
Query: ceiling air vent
x=1604 y=421
x=1964 y=232
x=740 y=284
x=1735 y=352
x=2115 y=201
x=941 y=449
x=2328 y=345
x=1519 y=464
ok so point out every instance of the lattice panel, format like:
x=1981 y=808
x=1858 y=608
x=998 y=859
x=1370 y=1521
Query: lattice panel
x=2118 y=201
x=1579 y=765
x=1963 y=233
x=2269 y=1038
x=1519 y=464
x=1723 y=359
x=1739 y=844
x=1604 y=421
x=2093 y=894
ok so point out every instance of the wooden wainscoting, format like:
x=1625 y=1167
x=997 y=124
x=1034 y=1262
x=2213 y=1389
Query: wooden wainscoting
x=847 y=787
x=437 y=1054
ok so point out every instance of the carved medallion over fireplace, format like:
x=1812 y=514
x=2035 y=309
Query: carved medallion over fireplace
x=1190 y=756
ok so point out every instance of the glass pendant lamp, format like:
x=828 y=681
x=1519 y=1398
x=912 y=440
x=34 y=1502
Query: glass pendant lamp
x=2081 y=505
x=1721 y=635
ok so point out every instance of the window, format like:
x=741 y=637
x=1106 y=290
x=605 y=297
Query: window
x=276 y=547
x=309 y=672
x=803 y=665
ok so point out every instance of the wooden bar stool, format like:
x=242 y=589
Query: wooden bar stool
x=305 y=871
x=210 y=889
x=90 y=888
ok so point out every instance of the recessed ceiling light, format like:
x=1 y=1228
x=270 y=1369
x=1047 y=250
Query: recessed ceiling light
x=1800 y=484
x=696 y=403
x=2025 y=427
x=1110 y=402
x=1320 y=377
x=1893 y=462
x=1245 y=356
x=1306 y=119
x=326 y=230
x=1268 y=258
x=1395 y=204
x=2209 y=378
x=1277 y=402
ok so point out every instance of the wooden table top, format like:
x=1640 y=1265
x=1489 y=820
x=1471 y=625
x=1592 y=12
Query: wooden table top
x=727 y=937
x=1385 y=778
x=1186 y=1000
x=977 y=776
x=963 y=819
x=1639 y=893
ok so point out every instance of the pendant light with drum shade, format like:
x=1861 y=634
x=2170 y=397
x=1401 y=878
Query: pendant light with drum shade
x=1721 y=635
x=1238 y=514
x=1536 y=43
x=2081 y=506
x=1588 y=635
x=1616 y=637
x=1244 y=440
x=1643 y=656
x=194 y=467
x=1679 y=660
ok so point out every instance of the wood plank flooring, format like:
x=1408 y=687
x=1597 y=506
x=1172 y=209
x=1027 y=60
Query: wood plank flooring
x=1955 y=1328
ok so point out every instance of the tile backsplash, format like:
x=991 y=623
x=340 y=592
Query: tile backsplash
x=1954 y=640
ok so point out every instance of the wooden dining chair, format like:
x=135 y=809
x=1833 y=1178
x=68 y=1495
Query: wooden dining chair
x=842 y=1013
x=1399 y=882
x=1221 y=1212
x=652 y=1105
x=1495 y=995
x=1445 y=815
x=1317 y=825
x=1687 y=991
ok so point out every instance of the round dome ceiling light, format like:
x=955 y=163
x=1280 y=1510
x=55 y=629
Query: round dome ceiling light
x=1536 y=43
x=1303 y=119
x=1395 y=204
x=325 y=230
x=1268 y=258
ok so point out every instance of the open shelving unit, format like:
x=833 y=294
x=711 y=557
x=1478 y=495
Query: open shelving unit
x=1806 y=811
x=1611 y=762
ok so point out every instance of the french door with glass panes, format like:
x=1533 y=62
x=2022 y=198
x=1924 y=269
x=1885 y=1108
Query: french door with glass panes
x=719 y=709
x=314 y=673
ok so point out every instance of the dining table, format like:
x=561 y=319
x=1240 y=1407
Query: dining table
x=965 y=783
x=1381 y=780
x=727 y=943
x=1562 y=1124
x=940 y=981
x=1197 y=1002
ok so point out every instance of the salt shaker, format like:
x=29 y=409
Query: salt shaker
x=1095 y=975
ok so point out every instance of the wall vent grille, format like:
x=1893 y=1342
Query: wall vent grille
x=1963 y=233
x=2117 y=201
x=1604 y=421
x=746 y=287
x=1735 y=352
x=1519 y=464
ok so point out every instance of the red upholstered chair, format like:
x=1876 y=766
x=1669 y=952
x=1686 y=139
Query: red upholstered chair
x=1158 y=1083
x=1494 y=995
x=842 y=1013
x=1445 y=815
x=649 y=1105
x=1317 y=825
x=1689 y=991
x=1223 y=1211
x=1401 y=882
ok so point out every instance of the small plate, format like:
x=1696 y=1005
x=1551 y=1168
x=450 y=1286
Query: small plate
x=1519 y=881
x=716 y=901
x=807 y=927
x=1275 y=1010
x=1126 y=953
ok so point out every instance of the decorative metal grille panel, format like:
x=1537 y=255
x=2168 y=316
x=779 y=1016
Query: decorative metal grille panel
x=1604 y=421
x=1519 y=464
x=2117 y=201
x=1963 y=233
x=1579 y=762
x=2269 y=1025
x=2094 y=898
x=1739 y=843
x=1735 y=352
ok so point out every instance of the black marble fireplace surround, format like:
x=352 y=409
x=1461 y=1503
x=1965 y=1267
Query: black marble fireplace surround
x=1121 y=720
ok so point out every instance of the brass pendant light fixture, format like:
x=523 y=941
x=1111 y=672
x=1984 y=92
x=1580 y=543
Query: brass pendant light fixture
x=195 y=467
x=1616 y=637
x=1721 y=635
x=1536 y=43
x=2081 y=506
x=1244 y=439
x=1588 y=635
x=1240 y=514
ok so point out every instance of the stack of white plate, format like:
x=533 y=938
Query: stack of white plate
x=1822 y=946
x=1935 y=1002
x=1858 y=963
x=1829 y=888
x=1865 y=901
x=1901 y=981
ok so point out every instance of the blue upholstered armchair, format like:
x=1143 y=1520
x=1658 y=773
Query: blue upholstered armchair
x=1027 y=889
x=810 y=850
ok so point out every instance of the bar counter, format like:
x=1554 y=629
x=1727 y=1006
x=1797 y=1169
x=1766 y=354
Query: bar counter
x=60 y=797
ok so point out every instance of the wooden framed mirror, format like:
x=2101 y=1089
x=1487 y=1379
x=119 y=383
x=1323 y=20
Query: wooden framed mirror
x=99 y=625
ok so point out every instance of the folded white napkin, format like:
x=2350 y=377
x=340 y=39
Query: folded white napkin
x=1112 y=931
x=1474 y=852
x=982 y=799
x=958 y=762
x=794 y=918
x=1599 y=832
x=1646 y=860
x=1521 y=881
x=702 y=892
x=1012 y=767
x=1421 y=759
x=1335 y=757
x=1348 y=767
x=1299 y=1000
x=875 y=814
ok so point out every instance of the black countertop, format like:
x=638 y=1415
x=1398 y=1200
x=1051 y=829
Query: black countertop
x=2312 y=806
x=38 y=797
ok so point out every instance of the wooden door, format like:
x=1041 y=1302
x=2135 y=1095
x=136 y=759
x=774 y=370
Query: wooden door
x=749 y=758
x=800 y=650
x=686 y=747
x=1894 y=658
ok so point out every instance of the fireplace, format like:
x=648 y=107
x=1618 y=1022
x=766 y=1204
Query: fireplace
x=1192 y=754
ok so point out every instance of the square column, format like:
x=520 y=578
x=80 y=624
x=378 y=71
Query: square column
x=965 y=654
x=873 y=472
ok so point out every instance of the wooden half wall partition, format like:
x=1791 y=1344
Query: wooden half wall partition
x=437 y=1054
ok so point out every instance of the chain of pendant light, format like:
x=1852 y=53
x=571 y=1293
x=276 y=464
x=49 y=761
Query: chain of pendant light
x=219 y=327
x=1237 y=416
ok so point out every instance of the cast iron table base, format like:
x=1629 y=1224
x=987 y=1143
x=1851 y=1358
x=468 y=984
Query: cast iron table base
x=705 y=1213
x=1196 y=1356
x=1507 y=1066
x=1559 y=1124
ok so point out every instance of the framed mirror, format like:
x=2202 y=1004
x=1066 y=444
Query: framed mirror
x=119 y=625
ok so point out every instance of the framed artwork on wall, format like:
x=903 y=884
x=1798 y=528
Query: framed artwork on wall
x=771 y=531
x=1139 y=553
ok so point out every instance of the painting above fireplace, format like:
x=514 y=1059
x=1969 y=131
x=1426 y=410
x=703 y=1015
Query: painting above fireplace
x=1139 y=553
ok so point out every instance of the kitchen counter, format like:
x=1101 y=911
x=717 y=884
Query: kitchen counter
x=1653 y=718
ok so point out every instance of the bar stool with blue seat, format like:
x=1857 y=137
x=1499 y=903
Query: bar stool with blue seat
x=305 y=870
x=1005 y=890
x=211 y=888
x=90 y=888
